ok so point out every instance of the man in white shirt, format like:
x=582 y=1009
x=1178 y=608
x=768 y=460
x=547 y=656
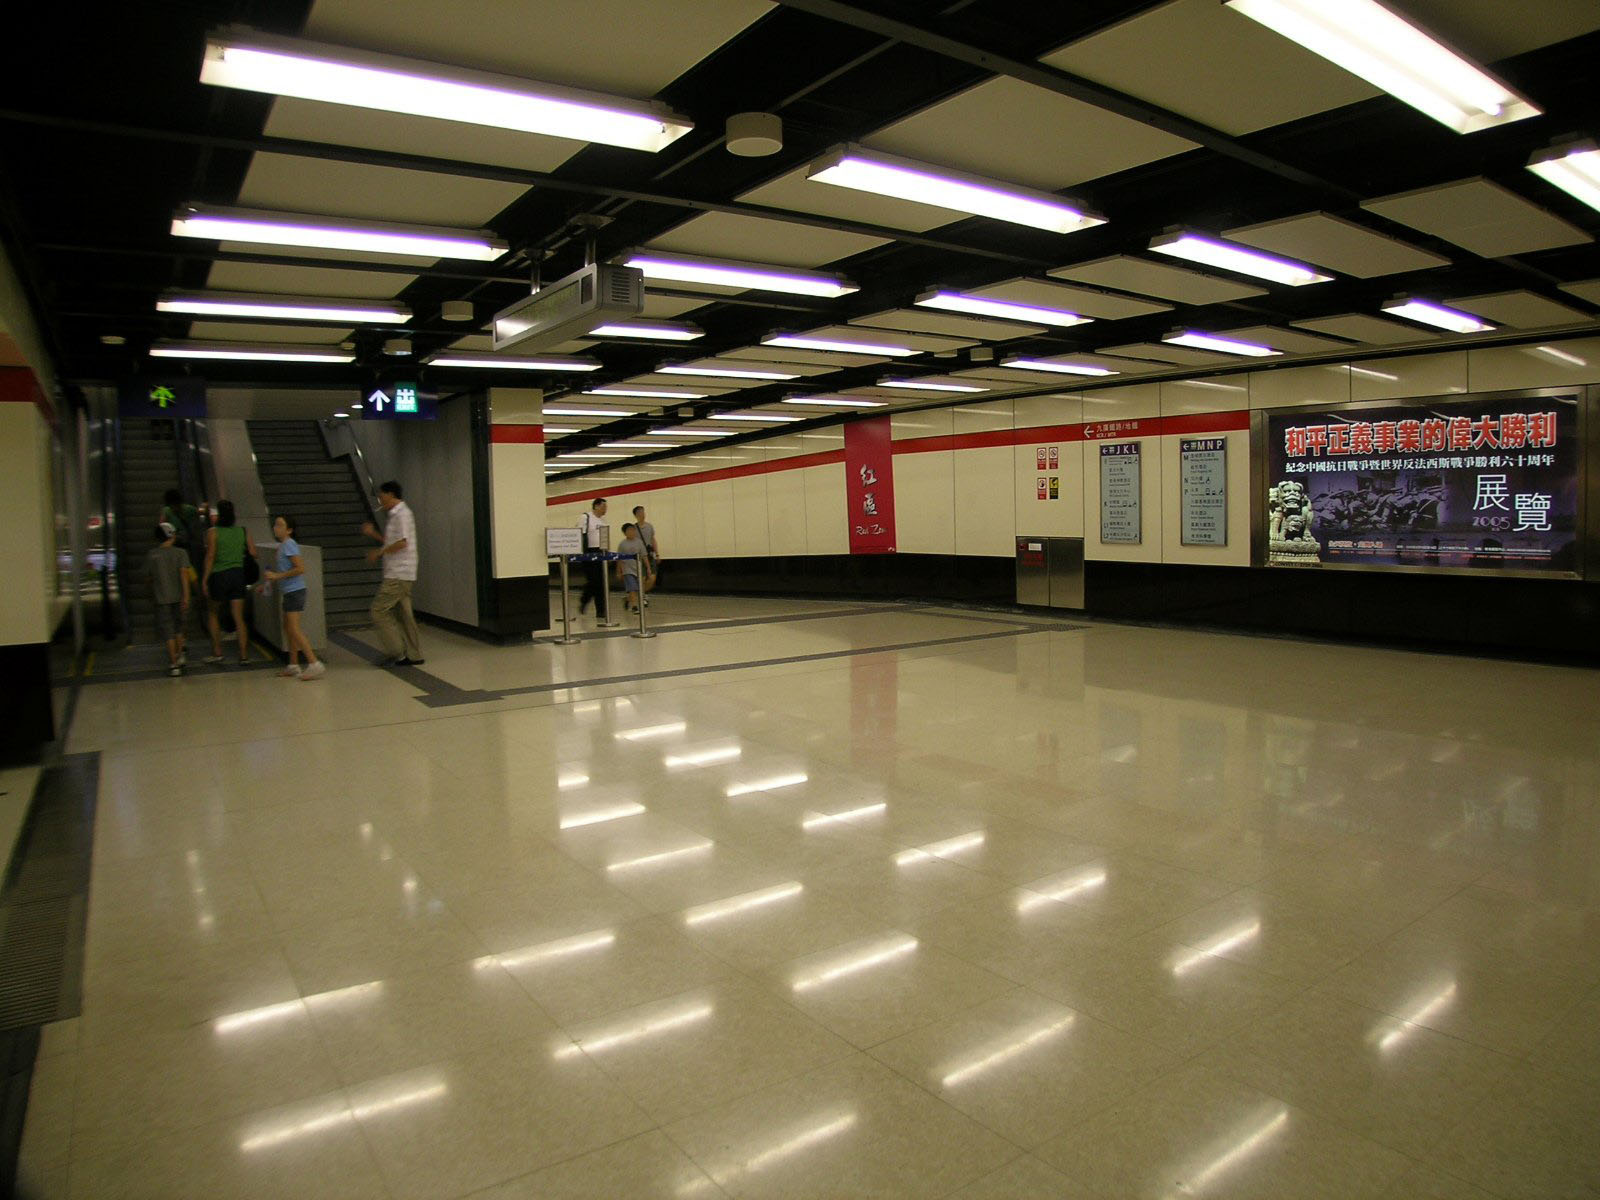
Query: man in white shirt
x=596 y=535
x=391 y=607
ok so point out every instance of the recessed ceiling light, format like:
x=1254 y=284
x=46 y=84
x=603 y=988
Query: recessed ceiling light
x=250 y=352
x=667 y=331
x=1389 y=52
x=639 y=445
x=686 y=268
x=284 y=308
x=397 y=346
x=1574 y=168
x=1223 y=345
x=1004 y=309
x=1057 y=368
x=487 y=361
x=689 y=433
x=1213 y=253
x=834 y=402
x=758 y=418
x=644 y=393
x=243 y=58
x=112 y=339
x=907 y=179
x=724 y=373
x=918 y=385
x=1437 y=315
x=561 y=429
x=796 y=341
x=263 y=227
x=551 y=410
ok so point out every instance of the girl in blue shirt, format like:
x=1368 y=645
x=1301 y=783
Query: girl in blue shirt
x=290 y=575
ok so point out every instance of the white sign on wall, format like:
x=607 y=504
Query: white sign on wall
x=1119 y=493
x=563 y=540
x=1203 y=490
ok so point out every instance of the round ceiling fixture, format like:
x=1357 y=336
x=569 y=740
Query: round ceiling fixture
x=397 y=346
x=456 y=310
x=755 y=134
x=112 y=339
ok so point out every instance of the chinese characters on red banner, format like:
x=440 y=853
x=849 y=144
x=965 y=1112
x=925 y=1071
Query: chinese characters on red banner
x=869 y=485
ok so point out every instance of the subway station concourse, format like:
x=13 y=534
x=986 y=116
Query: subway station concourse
x=800 y=598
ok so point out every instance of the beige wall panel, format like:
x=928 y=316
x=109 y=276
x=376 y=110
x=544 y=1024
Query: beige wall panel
x=924 y=502
x=786 y=512
x=27 y=537
x=1237 y=552
x=1150 y=536
x=517 y=489
x=688 y=529
x=1065 y=409
x=1221 y=393
x=719 y=530
x=1552 y=364
x=751 y=537
x=1129 y=402
x=1061 y=517
x=985 y=501
x=1421 y=375
x=1300 y=386
x=931 y=422
x=827 y=527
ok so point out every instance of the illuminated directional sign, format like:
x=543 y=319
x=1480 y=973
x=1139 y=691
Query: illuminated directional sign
x=398 y=400
x=183 y=397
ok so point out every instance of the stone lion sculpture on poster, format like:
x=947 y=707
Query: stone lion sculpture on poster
x=1289 y=524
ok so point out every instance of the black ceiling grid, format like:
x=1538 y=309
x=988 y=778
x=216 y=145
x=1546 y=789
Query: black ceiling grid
x=108 y=148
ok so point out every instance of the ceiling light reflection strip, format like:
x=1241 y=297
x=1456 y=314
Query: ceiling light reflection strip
x=1222 y=345
x=1574 y=168
x=800 y=341
x=1425 y=312
x=251 y=352
x=834 y=402
x=866 y=170
x=1210 y=252
x=237 y=57
x=270 y=228
x=725 y=373
x=691 y=268
x=1368 y=39
x=1004 y=310
x=923 y=385
x=284 y=308
x=485 y=360
x=660 y=331
x=1057 y=368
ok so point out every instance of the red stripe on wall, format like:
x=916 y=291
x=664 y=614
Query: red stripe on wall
x=518 y=435
x=1194 y=423
x=19 y=385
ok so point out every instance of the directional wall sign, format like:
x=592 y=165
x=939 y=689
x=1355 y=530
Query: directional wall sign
x=399 y=400
x=183 y=397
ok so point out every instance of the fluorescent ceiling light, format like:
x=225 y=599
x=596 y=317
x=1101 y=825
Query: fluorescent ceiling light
x=243 y=58
x=251 y=352
x=578 y=458
x=1004 y=309
x=1574 y=168
x=693 y=433
x=917 y=385
x=263 y=227
x=639 y=446
x=284 y=308
x=644 y=393
x=1436 y=315
x=1057 y=368
x=660 y=331
x=907 y=179
x=724 y=372
x=1389 y=52
x=1223 y=345
x=561 y=429
x=759 y=418
x=834 y=402
x=1213 y=253
x=684 y=268
x=796 y=341
x=564 y=411
x=510 y=362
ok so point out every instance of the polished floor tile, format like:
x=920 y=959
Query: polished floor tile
x=1111 y=912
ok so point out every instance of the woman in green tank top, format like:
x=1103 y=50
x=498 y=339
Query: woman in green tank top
x=227 y=544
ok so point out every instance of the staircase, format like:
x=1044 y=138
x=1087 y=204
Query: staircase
x=324 y=498
x=148 y=459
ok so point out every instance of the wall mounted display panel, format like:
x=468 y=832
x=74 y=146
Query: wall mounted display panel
x=1487 y=484
x=1121 y=493
x=1229 y=537
x=1203 y=491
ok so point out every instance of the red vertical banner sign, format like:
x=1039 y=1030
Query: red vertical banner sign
x=869 y=485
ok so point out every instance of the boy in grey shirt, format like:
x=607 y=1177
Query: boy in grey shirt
x=628 y=568
x=167 y=569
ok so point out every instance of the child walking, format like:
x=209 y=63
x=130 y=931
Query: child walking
x=628 y=569
x=167 y=569
x=290 y=575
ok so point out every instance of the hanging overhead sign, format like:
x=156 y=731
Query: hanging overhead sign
x=399 y=400
x=182 y=397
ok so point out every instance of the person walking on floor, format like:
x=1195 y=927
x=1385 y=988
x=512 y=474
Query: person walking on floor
x=167 y=569
x=595 y=535
x=633 y=573
x=391 y=607
x=227 y=545
x=289 y=573
x=647 y=535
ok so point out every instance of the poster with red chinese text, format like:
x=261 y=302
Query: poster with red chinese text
x=869 y=485
x=1480 y=483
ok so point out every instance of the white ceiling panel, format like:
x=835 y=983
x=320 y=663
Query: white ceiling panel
x=1290 y=341
x=921 y=342
x=376 y=193
x=342 y=125
x=660 y=308
x=1084 y=301
x=821 y=358
x=795 y=191
x=1480 y=215
x=485 y=343
x=1369 y=330
x=1183 y=356
x=1156 y=279
x=1584 y=289
x=740 y=359
x=706 y=387
x=1520 y=310
x=1490 y=30
x=239 y=331
x=1125 y=366
x=293 y=280
x=1022 y=134
x=758 y=240
x=922 y=320
x=1336 y=244
x=1212 y=65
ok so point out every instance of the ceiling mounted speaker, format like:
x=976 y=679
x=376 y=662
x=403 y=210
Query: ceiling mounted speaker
x=755 y=134
x=397 y=346
x=456 y=310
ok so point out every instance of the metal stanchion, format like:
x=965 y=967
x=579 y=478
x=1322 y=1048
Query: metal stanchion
x=641 y=561
x=566 y=638
x=604 y=603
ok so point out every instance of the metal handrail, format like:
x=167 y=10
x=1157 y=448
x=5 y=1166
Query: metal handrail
x=357 y=460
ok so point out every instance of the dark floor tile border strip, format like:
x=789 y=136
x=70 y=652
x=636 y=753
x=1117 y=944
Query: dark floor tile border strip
x=628 y=628
x=436 y=692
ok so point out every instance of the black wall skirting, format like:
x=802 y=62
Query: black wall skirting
x=1548 y=618
x=27 y=722
x=513 y=607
